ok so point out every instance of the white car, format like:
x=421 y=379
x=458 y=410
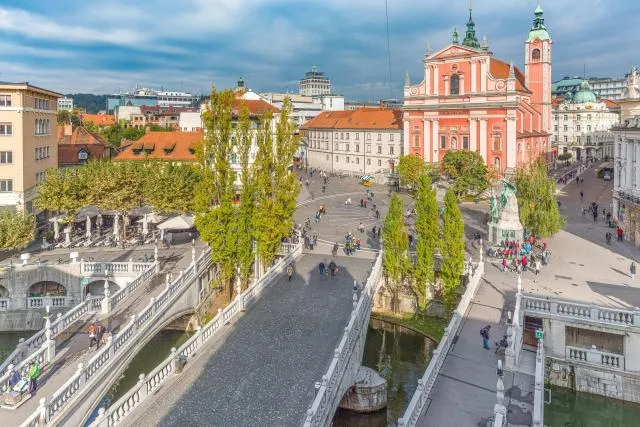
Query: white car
x=607 y=176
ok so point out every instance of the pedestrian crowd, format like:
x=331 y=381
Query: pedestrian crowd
x=519 y=256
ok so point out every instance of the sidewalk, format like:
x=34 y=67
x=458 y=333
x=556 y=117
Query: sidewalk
x=465 y=391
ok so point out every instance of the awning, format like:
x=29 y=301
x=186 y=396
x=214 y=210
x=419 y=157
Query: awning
x=182 y=222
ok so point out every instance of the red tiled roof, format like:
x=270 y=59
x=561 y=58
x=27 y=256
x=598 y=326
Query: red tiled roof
x=99 y=119
x=256 y=107
x=555 y=102
x=500 y=70
x=81 y=139
x=610 y=104
x=362 y=118
x=171 y=146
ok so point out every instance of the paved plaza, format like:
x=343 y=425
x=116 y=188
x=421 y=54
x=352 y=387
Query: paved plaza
x=260 y=370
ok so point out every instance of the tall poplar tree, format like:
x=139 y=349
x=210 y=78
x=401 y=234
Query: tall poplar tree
x=216 y=219
x=396 y=245
x=428 y=238
x=246 y=210
x=276 y=186
x=452 y=250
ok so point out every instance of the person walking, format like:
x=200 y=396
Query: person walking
x=332 y=268
x=632 y=270
x=537 y=266
x=289 y=271
x=484 y=332
x=619 y=233
x=92 y=334
x=100 y=330
x=504 y=264
x=581 y=195
x=34 y=373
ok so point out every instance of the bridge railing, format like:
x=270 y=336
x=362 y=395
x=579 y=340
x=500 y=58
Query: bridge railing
x=61 y=323
x=117 y=297
x=147 y=384
x=330 y=392
x=90 y=269
x=425 y=384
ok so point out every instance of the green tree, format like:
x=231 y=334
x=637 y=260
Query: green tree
x=276 y=187
x=170 y=187
x=565 y=157
x=63 y=190
x=246 y=210
x=216 y=219
x=75 y=120
x=396 y=246
x=428 y=239
x=64 y=117
x=410 y=169
x=468 y=171
x=452 y=245
x=16 y=229
x=536 y=192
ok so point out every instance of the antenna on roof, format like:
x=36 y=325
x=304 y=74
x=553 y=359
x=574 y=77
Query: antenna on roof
x=585 y=71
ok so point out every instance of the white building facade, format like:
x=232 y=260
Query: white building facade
x=314 y=83
x=360 y=142
x=581 y=125
x=190 y=121
x=65 y=104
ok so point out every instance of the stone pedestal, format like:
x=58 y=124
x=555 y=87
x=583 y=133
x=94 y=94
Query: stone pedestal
x=368 y=394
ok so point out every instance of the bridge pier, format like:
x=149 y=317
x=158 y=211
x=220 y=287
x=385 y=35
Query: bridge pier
x=368 y=394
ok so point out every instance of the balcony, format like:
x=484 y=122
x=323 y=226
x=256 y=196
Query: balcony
x=595 y=357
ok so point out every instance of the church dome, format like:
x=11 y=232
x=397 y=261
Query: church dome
x=585 y=94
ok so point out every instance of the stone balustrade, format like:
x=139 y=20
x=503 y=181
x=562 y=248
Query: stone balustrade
x=91 y=269
x=570 y=310
x=332 y=385
x=538 y=390
x=51 y=301
x=147 y=384
x=425 y=384
x=595 y=357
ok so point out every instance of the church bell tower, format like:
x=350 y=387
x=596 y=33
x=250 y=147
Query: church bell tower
x=537 y=66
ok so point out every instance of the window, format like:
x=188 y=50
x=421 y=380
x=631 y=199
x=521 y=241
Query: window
x=357 y=136
x=465 y=142
x=443 y=141
x=588 y=128
x=578 y=141
x=565 y=138
x=39 y=177
x=357 y=148
x=337 y=159
x=5 y=100
x=368 y=137
x=497 y=144
x=6 y=129
x=379 y=149
x=337 y=147
x=556 y=128
x=496 y=164
x=368 y=148
x=455 y=85
x=454 y=143
x=357 y=160
x=6 y=185
x=588 y=140
x=347 y=135
x=578 y=128
x=588 y=116
x=566 y=128
x=535 y=54
x=335 y=135
x=341 y=135
x=379 y=162
x=347 y=159
x=390 y=137
x=379 y=137
x=6 y=157
x=391 y=149
x=346 y=147
x=368 y=162
x=578 y=117
x=416 y=140
x=83 y=155
x=566 y=117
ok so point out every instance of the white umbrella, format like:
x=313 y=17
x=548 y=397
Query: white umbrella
x=116 y=226
x=182 y=222
x=145 y=225
x=67 y=236
x=88 y=226
x=56 y=229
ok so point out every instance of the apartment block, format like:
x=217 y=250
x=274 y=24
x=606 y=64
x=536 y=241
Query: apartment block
x=28 y=144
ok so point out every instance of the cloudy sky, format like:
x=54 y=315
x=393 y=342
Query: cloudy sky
x=111 y=45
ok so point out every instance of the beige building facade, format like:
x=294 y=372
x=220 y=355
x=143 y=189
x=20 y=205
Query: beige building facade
x=28 y=142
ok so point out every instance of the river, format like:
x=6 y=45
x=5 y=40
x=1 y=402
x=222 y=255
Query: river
x=9 y=341
x=402 y=355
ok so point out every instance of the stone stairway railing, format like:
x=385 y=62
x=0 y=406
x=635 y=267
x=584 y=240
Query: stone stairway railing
x=118 y=344
x=149 y=383
x=425 y=384
x=29 y=349
x=328 y=396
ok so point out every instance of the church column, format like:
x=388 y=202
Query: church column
x=426 y=145
x=474 y=76
x=436 y=141
x=446 y=86
x=483 y=75
x=461 y=84
x=629 y=169
x=427 y=80
x=405 y=143
x=512 y=143
x=436 y=80
x=483 y=139
x=473 y=142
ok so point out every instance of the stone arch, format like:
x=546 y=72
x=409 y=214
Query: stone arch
x=46 y=288
x=96 y=288
x=4 y=292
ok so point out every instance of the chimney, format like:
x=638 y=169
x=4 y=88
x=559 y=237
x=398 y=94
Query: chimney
x=68 y=129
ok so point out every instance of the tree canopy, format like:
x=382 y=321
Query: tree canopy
x=396 y=260
x=536 y=192
x=452 y=265
x=428 y=239
x=410 y=169
x=16 y=229
x=468 y=170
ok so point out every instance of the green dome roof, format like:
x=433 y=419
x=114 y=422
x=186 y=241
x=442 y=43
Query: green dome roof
x=538 y=31
x=584 y=95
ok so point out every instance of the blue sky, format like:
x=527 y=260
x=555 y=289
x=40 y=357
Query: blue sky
x=111 y=45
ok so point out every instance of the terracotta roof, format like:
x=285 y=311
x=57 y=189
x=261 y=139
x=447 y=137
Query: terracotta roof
x=362 y=118
x=500 y=70
x=99 y=119
x=171 y=146
x=256 y=107
x=555 y=102
x=81 y=139
x=610 y=104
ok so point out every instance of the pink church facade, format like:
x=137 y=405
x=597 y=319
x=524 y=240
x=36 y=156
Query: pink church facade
x=469 y=100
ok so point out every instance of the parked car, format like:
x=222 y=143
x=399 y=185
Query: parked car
x=607 y=176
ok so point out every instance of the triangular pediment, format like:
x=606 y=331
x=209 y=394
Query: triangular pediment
x=456 y=50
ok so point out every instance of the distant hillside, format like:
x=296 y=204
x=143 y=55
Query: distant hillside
x=90 y=102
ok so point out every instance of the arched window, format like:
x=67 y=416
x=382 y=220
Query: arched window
x=496 y=164
x=455 y=84
x=535 y=54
